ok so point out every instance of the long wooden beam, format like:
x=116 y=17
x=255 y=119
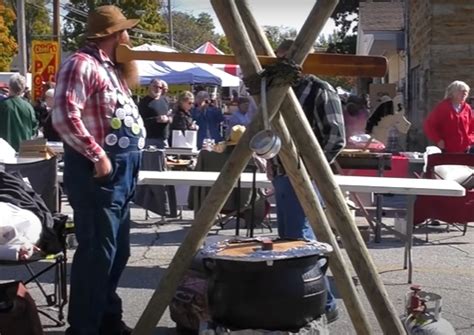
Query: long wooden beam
x=236 y=163
x=303 y=186
x=318 y=63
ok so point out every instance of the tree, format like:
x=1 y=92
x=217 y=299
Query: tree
x=190 y=32
x=344 y=40
x=151 y=27
x=345 y=14
x=346 y=45
x=8 y=45
x=223 y=45
x=37 y=22
x=276 y=35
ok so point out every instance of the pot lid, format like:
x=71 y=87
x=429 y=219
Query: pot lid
x=264 y=249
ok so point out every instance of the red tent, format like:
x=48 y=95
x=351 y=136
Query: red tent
x=211 y=49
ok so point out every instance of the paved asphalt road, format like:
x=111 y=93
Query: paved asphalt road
x=444 y=265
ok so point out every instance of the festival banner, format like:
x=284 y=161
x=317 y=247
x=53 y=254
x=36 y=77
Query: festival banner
x=45 y=62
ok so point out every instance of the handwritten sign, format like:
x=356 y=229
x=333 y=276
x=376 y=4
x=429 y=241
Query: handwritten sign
x=45 y=62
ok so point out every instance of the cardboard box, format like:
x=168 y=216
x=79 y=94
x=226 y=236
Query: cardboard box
x=36 y=148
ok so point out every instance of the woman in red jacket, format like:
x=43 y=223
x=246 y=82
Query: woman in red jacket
x=451 y=123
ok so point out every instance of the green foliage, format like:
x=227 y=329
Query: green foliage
x=223 y=45
x=8 y=45
x=276 y=35
x=150 y=29
x=190 y=31
x=345 y=14
x=346 y=45
x=343 y=40
x=37 y=20
x=38 y=25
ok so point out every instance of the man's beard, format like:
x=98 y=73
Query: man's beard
x=129 y=73
x=128 y=70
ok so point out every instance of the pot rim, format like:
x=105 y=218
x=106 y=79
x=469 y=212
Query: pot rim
x=311 y=248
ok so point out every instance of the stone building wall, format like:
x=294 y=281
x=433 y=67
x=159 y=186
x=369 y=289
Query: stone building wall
x=441 y=49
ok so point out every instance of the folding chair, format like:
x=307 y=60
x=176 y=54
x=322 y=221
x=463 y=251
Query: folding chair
x=43 y=180
x=455 y=211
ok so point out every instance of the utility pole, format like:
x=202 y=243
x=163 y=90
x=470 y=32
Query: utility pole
x=170 y=24
x=57 y=26
x=56 y=21
x=22 y=53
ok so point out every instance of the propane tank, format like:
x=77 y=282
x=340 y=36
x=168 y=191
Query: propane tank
x=423 y=314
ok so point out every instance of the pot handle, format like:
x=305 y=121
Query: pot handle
x=209 y=265
x=325 y=265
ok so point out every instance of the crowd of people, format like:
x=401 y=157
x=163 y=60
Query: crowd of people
x=92 y=111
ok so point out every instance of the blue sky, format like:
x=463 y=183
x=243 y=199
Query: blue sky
x=267 y=12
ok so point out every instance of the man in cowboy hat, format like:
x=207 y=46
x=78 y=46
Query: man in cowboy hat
x=103 y=134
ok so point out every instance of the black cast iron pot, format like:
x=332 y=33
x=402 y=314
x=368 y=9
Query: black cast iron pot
x=282 y=294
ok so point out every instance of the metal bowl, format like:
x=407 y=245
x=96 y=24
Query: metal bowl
x=265 y=144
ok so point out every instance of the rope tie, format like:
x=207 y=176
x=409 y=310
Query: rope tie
x=283 y=72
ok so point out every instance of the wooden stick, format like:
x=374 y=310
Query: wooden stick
x=319 y=63
x=320 y=171
x=303 y=186
x=236 y=163
x=307 y=196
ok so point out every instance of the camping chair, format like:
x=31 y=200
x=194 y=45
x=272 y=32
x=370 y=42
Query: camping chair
x=455 y=211
x=43 y=180
x=240 y=202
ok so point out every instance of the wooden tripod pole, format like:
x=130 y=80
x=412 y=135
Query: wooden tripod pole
x=236 y=163
x=320 y=171
x=306 y=194
x=303 y=186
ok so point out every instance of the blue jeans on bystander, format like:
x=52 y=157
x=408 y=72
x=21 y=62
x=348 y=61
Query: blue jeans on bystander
x=293 y=223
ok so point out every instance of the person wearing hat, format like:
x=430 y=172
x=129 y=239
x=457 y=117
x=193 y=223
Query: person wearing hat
x=103 y=136
x=241 y=116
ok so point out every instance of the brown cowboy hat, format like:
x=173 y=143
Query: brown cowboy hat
x=106 y=20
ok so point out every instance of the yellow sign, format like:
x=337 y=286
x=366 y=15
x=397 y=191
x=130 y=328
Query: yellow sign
x=45 y=63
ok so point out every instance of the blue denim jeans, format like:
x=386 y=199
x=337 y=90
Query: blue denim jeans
x=102 y=227
x=292 y=221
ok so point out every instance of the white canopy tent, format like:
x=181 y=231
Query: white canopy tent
x=181 y=72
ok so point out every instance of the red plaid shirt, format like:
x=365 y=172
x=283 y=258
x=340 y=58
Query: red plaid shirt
x=85 y=99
